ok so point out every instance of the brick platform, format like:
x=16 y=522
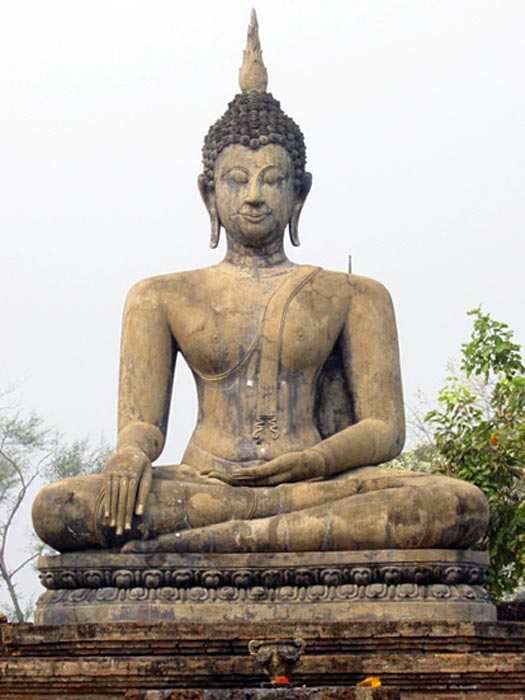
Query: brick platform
x=138 y=661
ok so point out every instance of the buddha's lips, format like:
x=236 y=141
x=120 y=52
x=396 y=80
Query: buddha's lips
x=254 y=218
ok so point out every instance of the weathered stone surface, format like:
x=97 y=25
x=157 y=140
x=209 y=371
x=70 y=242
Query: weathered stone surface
x=442 y=660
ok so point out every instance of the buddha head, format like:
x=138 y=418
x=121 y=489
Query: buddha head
x=254 y=182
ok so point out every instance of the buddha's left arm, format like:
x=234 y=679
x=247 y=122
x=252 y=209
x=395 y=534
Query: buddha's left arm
x=370 y=354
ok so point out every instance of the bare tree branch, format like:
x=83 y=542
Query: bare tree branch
x=30 y=454
x=20 y=566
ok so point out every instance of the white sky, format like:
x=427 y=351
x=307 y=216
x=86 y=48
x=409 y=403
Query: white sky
x=413 y=113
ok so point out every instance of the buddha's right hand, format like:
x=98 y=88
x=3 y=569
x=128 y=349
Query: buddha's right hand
x=127 y=483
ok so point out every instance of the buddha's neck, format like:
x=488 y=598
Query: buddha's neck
x=263 y=260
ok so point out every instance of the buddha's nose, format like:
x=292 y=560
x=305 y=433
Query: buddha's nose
x=254 y=195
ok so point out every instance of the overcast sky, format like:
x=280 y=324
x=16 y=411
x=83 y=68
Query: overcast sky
x=413 y=113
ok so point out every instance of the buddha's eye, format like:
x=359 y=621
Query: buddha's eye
x=274 y=178
x=237 y=176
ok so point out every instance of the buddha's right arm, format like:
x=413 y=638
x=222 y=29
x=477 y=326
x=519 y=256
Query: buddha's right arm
x=146 y=377
x=147 y=363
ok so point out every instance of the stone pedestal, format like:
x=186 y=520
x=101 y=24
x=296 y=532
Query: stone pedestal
x=388 y=585
x=219 y=627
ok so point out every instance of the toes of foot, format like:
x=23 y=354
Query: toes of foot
x=135 y=546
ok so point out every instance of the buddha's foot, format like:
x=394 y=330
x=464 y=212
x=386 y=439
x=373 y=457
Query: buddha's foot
x=141 y=547
x=171 y=542
x=230 y=536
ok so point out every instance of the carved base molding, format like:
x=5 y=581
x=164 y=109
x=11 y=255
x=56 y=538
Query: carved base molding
x=368 y=585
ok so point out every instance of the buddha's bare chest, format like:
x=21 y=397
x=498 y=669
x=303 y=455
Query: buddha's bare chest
x=218 y=335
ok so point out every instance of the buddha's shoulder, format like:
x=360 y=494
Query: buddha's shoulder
x=354 y=287
x=184 y=283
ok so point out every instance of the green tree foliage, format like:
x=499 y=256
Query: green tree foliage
x=31 y=455
x=423 y=458
x=479 y=435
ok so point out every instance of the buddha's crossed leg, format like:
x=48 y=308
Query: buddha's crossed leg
x=367 y=508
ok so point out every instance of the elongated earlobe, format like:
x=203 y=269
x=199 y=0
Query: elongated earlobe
x=293 y=224
x=215 y=228
x=208 y=197
x=293 y=228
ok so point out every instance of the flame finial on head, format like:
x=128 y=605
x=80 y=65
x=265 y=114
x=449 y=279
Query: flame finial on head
x=253 y=76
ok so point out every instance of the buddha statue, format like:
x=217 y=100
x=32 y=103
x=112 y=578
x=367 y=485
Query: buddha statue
x=298 y=380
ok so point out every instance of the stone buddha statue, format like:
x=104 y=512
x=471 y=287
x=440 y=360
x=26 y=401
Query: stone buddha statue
x=298 y=380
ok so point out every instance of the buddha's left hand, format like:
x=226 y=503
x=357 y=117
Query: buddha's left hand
x=294 y=466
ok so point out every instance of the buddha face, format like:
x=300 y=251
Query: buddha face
x=254 y=193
